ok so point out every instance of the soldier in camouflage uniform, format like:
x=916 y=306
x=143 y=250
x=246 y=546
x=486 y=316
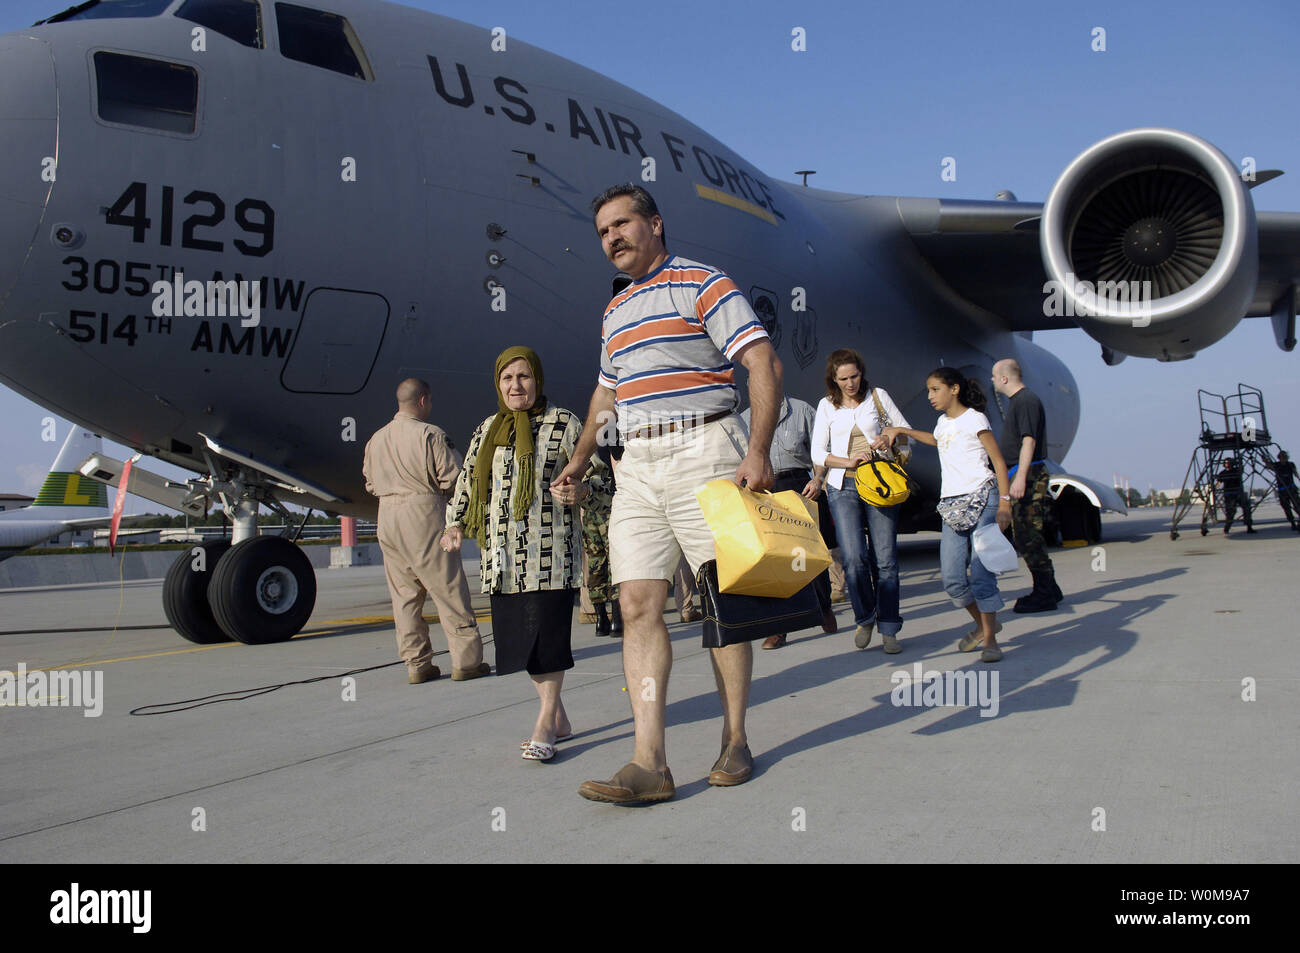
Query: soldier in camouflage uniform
x=1024 y=447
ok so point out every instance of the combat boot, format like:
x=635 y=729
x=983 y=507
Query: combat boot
x=1041 y=599
x=602 y=618
x=1053 y=588
x=616 y=621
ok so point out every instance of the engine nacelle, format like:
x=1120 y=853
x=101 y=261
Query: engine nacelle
x=1149 y=239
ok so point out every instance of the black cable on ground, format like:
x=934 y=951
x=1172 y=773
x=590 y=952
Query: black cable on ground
x=239 y=695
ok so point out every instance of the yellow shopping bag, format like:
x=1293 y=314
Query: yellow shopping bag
x=767 y=544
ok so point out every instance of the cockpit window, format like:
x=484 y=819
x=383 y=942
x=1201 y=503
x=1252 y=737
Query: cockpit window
x=321 y=39
x=143 y=92
x=241 y=20
x=109 y=9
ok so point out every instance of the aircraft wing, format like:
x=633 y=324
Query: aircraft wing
x=1149 y=241
x=1279 y=265
x=988 y=252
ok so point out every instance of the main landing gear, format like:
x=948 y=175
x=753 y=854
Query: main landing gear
x=253 y=589
x=262 y=590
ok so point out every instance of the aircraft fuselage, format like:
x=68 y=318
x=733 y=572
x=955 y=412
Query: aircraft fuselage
x=413 y=224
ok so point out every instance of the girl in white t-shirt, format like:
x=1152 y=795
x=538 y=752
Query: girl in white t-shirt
x=975 y=492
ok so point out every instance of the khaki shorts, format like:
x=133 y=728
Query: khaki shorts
x=656 y=517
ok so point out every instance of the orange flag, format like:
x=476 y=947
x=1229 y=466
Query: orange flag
x=118 y=502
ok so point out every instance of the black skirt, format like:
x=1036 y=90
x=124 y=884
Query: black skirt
x=532 y=630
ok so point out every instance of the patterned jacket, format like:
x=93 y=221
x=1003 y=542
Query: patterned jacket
x=544 y=551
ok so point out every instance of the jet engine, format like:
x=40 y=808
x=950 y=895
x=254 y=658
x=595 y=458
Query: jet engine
x=1149 y=242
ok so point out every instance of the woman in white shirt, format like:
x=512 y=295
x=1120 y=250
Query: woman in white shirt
x=975 y=492
x=846 y=433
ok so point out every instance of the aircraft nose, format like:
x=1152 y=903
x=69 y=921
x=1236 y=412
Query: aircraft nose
x=28 y=150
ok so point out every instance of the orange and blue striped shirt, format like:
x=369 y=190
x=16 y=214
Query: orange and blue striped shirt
x=668 y=343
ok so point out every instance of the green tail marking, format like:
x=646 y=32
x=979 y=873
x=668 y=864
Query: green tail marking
x=71 y=489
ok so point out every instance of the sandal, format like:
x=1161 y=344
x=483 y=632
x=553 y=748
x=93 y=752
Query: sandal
x=523 y=745
x=538 y=751
x=973 y=640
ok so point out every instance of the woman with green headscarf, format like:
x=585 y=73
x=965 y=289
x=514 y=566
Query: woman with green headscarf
x=530 y=538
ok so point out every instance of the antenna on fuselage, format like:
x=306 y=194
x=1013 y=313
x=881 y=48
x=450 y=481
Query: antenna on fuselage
x=805 y=173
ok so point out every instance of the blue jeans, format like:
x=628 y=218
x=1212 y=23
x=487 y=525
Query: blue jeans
x=956 y=554
x=870 y=572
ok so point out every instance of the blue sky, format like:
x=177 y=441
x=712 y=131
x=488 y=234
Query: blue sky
x=1013 y=91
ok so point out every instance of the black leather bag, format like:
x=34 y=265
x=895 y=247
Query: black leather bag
x=730 y=619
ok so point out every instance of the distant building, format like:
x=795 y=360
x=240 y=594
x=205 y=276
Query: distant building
x=73 y=538
x=15 y=501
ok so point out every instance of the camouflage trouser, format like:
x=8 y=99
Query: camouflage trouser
x=595 y=544
x=1286 y=495
x=1027 y=514
x=1230 y=503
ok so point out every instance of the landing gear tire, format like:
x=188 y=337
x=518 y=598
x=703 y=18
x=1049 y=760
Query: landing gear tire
x=263 y=590
x=185 y=593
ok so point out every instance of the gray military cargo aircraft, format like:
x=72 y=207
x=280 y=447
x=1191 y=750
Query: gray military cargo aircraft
x=228 y=228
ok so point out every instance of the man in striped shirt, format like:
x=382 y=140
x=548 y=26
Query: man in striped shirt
x=670 y=343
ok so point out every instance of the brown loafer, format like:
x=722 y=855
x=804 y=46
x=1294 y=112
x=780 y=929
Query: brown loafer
x=734 y=766
x=417 y=674
x=774 y=641
x=632 y=784
x=465 y=674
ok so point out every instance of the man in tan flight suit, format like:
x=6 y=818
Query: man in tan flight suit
x=412 y=466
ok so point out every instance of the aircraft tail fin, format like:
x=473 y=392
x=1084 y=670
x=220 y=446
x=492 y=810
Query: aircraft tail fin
x=66 y=494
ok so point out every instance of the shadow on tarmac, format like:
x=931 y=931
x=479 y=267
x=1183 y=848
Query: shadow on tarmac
x=1031 y=657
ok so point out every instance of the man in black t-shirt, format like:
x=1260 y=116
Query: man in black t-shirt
x=1024 y=447
x=1285 y=474
x=1234 y=495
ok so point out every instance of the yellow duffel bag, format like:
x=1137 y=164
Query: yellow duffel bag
x=882 y=483
x=767 y=544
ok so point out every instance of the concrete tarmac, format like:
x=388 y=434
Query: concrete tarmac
x=1153 y=717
